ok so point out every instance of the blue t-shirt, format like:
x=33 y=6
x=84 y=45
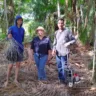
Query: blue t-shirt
x=41 y=46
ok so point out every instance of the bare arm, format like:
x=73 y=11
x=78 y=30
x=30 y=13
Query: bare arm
x=71 y=38
x=49 y=55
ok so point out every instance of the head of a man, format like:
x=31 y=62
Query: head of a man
x=60 y=24
x=19 y=22
x=40 y=31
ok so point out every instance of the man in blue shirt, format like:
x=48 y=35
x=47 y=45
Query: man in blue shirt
x=16 y=32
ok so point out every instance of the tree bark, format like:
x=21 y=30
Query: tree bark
x=10 y=6
x=7 y=17
x=58 y=9
x=74 y=17
x=5 y=14
x=94 y=57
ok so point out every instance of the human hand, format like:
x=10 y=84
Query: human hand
x=53 y=53
x=31 y=60
x=9 y=36
x=67 y=44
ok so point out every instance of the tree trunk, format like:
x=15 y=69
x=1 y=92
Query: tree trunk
x=5 y=14
x=10 y=6
x=74 y=17
x=7 y=17
x=66 y=11
x=74 y=6
x=3 y=18
x=94 y=57
x=58 y=9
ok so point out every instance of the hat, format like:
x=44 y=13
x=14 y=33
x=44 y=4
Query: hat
x=40 y=28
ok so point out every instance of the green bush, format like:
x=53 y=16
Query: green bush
x=2 y=36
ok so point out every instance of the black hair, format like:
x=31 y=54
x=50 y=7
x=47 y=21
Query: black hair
x=61 y=19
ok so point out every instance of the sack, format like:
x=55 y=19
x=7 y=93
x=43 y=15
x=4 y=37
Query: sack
x=12 y=51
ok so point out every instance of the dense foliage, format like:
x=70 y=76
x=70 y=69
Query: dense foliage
x=78 y=14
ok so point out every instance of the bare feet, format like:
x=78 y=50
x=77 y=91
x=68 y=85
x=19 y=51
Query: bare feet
x=17 y=83
x=6 y=84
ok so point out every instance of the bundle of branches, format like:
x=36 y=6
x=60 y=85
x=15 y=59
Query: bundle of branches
x=12 y=52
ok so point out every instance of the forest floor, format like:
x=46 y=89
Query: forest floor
x=80 y=57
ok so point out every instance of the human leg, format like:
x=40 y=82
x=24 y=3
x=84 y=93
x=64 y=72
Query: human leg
x=10 y=66
x=42 y=70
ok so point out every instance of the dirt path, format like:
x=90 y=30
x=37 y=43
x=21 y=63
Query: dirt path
x=30 y=86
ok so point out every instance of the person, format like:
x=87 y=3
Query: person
x=16 y=32
x=63 y=38
x=40 y=52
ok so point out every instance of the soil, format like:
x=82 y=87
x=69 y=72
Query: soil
x=30 y=86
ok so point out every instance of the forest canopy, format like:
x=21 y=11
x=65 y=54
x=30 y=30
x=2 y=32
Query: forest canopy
x=79 y=16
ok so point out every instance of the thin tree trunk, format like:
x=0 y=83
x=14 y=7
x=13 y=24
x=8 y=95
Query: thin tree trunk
x=74 y=6
x=58 y=9
x=5 y=14
x=91 y=34
x=3 y=19
x=74 y=17
x=66 y=1
x=10 y=14
x=7 y=17
x=65 y=10
x=89 y=3
x=94 y=57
